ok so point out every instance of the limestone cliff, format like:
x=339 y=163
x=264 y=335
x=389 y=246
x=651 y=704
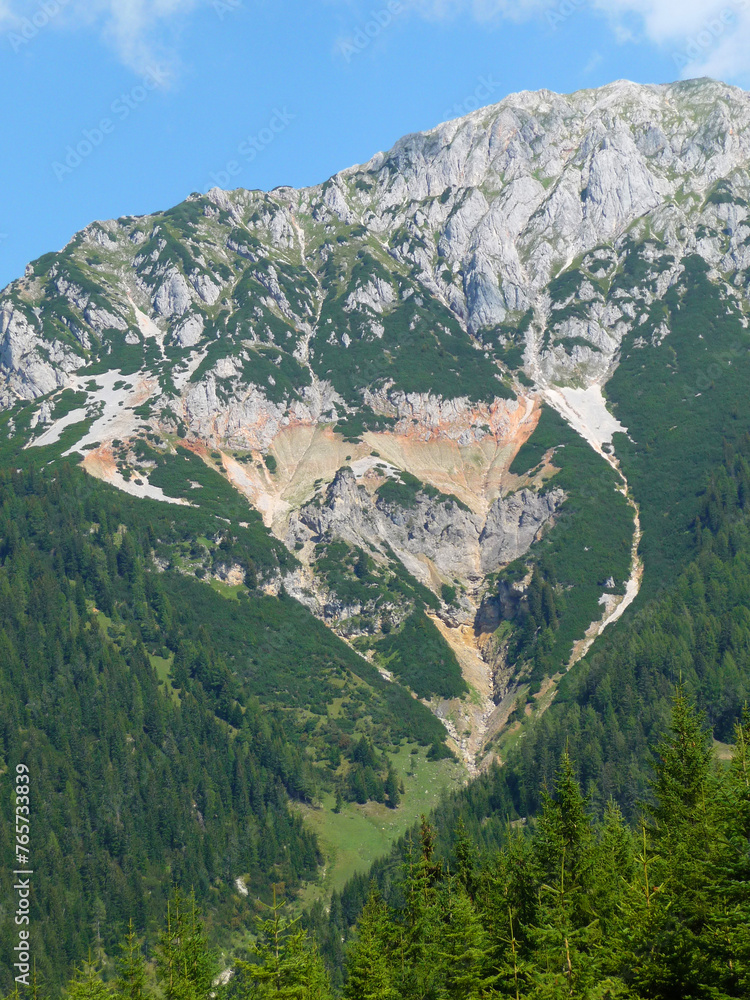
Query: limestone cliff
x=408 y=317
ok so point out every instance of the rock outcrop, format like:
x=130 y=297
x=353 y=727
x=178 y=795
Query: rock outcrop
x=528 y=208
x=437 y=532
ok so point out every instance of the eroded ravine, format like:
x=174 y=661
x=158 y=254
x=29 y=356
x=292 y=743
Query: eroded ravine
x=467 y=720
x=586 y=412
x=616 y=605
x=481 y=721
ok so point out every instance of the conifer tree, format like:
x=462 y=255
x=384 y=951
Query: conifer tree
x=87 y=983
x=613 y=866
x=633 y=934
x=418 y=956
x=131 y=968
x=564 y=847
x=733 y=923
x=463 y=948
x=465 y=858
x=287 y=966
x=508 y=890
x=684 y=859
x=391 y=789
x=37 y=992
x=186 y=965
x=369 y=959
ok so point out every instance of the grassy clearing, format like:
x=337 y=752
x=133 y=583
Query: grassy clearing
x=229 y=590
x=163 y=668
x=352 y=839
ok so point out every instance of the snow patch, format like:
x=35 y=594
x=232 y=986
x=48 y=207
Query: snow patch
x=362 y=466
x=53 y=432
x=147 y=326
x=586 y=412
x=116 y=419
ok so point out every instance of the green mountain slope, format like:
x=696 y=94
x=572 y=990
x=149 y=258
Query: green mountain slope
x=165 y=725
x=444 y=455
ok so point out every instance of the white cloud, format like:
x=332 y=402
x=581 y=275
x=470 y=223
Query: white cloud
x=730 y=60
x=706 y=37
x=135 y=28
x=662 y=19
x=131 y=26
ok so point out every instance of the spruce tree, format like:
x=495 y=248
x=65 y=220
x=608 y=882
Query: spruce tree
x=567 y=932
x=87 y=983
x=684 y=848
x=391 y=789
x=369 y=959
x=463 y=948
x=418 y=947
x=509 y=902
x=287 y=966
x=613 y=867
x=131 y=968
x=465 y=859
x=186 y=966
x=732 y=923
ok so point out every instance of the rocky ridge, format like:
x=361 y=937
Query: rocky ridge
x=435 y=538
x=418 y=308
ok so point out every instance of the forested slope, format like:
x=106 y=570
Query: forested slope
x=571 y=906
x=616 y=704
x=166 y=725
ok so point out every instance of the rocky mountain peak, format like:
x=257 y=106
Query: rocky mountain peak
x=410 y=320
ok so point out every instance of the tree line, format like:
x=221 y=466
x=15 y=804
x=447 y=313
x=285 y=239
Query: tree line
x=135 y=786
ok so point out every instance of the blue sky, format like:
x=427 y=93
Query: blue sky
x=121 y=107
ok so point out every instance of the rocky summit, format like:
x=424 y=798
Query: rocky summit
x=408 y=369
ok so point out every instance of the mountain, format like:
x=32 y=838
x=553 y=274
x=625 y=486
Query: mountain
x=461 y=404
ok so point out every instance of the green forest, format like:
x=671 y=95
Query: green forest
x=571 y=906
x=168 y=727
x=613 y=709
